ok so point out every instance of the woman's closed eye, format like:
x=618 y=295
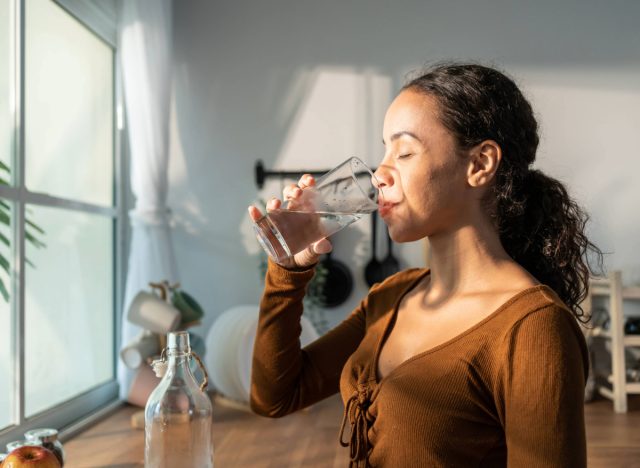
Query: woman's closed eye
x=404 y=155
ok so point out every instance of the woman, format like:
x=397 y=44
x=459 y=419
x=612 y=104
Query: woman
x=478 y=361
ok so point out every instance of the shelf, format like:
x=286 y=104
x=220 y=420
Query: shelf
x=628 y=340
x=612 y=288
x=632 y=340
x=632 y=388
x=602 y=288
x=607 y=393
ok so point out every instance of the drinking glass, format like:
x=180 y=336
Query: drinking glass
x=340 y=197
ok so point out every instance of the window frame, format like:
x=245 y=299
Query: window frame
x=76 y=413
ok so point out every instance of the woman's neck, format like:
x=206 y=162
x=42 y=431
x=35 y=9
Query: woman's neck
x=466 y=260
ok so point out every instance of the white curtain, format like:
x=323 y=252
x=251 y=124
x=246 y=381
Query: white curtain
x=145 y=47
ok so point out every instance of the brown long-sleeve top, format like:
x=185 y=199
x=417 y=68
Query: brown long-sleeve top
x=506 y=392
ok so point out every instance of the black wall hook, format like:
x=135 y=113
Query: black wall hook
x=262 y=174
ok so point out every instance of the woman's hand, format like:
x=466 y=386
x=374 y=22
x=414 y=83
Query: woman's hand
x=294 y=196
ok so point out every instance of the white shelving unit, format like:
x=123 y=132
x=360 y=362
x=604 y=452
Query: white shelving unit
x=612 y=287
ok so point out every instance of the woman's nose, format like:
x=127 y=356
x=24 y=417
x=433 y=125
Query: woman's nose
x=382 y=181
x=383 y=177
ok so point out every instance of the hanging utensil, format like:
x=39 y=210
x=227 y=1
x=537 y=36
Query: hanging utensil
x=390 y=265
x=338 y=283
x=373 y=270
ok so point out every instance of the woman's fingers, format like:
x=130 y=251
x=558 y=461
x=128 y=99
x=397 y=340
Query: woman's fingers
x=323 y=246
x=254 y=213
x=306 y=180
x=291 y=192
x=309 y=256
x=273 y=204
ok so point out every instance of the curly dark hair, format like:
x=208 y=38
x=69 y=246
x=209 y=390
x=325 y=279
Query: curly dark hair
x=540 y=226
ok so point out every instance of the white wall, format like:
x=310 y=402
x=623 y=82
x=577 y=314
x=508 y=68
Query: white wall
x=303 y=85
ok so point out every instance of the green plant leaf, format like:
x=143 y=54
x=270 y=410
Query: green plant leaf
x=5 y=240
x=3 y=291
x=4 y=264
x=5 y=218
x=35 y=242
x=34 y=226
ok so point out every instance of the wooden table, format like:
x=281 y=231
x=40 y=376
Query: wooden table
x=240 y=439
x=310 y=439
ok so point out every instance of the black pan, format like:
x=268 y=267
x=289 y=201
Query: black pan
x=373 y=272
x=338 y=283
x=390 y=264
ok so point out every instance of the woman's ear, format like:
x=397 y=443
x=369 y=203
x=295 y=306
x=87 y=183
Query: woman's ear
x=484 y=160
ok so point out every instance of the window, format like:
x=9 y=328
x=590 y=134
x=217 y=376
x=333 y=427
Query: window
x=7 y=86
x=61 y=214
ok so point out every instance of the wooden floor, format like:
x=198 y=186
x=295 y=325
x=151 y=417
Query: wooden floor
x=309 y=439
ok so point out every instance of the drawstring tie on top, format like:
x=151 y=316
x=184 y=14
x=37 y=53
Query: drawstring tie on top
x=356 y=410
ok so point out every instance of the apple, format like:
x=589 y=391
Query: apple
x=31 y=456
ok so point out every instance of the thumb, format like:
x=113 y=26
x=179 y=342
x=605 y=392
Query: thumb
x=323 y=246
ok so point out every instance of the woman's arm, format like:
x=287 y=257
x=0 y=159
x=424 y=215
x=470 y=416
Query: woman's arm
x=286 y=378
x=543 y=391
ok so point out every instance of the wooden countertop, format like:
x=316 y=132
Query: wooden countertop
x=306 y=439
x=310 y=439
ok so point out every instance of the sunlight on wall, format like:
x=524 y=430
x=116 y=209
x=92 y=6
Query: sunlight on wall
x=288 y=87
x=339 y=116
x=589 y=127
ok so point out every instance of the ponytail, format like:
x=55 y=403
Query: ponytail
x=541 y=227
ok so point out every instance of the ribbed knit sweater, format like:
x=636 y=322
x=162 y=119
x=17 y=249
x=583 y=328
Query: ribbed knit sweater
x=506 y=392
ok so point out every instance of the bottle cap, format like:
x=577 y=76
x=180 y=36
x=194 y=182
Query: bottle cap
x=178 y=341
x=43 y=435
x=11 y=446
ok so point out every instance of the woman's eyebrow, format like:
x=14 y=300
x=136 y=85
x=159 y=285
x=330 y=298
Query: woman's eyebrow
x=397 y=135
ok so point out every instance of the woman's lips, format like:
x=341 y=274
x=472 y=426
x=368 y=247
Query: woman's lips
x=385 y=208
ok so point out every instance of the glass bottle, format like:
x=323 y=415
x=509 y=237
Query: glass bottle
x=178 y=413
x=48 y=438
x=11 y=446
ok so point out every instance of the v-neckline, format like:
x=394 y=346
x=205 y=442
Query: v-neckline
x=388 y=328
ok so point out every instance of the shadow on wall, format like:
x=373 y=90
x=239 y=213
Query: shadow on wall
x=308 y=120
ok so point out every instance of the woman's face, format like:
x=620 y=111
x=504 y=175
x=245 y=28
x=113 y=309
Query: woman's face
x=423 y=179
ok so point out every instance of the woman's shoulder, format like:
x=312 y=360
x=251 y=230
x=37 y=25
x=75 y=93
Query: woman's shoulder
x=543 y=328
x=538 y=302
x=541 y=317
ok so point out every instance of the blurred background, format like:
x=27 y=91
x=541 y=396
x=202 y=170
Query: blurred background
x=130 y=132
